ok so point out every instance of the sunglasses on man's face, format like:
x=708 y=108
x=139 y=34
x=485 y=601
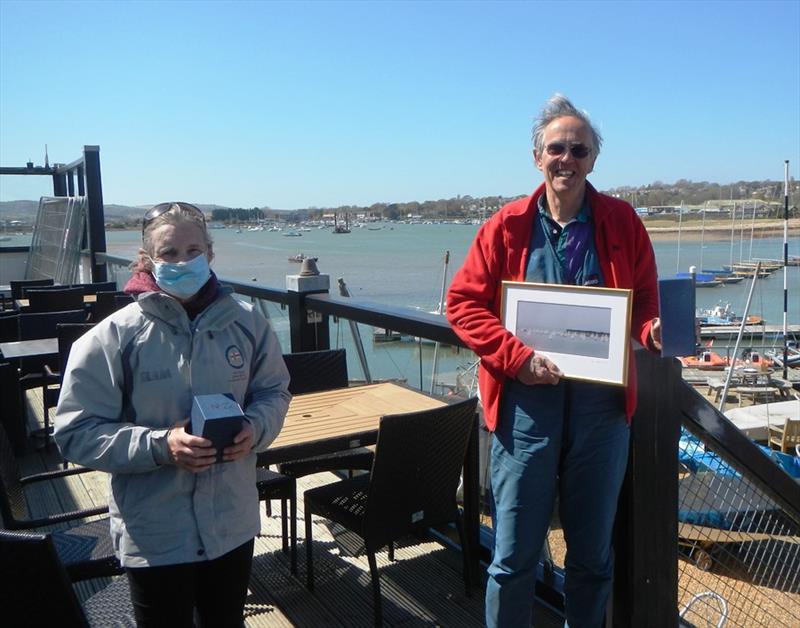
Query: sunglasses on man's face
x=162 y=208
x=578 y=151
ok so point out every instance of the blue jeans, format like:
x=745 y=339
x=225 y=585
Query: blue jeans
x=571 y=440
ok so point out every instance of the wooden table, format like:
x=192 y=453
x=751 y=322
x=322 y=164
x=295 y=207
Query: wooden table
x=40 y=348
x=345 y=418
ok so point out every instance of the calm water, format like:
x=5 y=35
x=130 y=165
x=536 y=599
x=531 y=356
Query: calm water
x=404 y=264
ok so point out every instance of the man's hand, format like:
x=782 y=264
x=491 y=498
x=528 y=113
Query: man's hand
x=189 y=452
x=655 y=333
x=242 y=444
x=539 y=370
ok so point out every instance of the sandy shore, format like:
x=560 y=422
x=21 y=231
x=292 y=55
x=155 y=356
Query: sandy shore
x=664 y=231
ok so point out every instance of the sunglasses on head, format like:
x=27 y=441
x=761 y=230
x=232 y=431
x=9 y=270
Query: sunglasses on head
x=578 y=151
x=162 y=208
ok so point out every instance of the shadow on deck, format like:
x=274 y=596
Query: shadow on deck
x=422 y=587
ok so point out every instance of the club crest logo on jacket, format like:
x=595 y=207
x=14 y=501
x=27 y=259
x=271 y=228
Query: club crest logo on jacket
x=234 y=357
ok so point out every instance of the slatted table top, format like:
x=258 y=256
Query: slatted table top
x=342 y=418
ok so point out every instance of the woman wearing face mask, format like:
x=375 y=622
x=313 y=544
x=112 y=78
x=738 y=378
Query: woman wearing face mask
x=182 y=523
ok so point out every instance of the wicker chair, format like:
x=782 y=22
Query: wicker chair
x=40 y=592
x=309 y=372
x=18 y=285
x=314 y=371
x=272 y=485
x=108 y=302
x=412 y=486
x=54 y=300
x=67 y=334
x=85 y=549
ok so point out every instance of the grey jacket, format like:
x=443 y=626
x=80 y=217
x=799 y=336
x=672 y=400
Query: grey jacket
x=131 y=378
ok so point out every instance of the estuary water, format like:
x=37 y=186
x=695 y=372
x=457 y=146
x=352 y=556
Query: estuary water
x=403 y=265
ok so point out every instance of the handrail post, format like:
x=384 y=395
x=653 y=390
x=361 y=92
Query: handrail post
x=309 y=330
x=646 y=531
x=96 y=228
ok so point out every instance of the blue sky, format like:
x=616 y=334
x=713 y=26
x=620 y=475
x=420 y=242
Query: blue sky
x=296 y=104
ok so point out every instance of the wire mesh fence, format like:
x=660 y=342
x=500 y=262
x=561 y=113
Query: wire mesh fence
x=739 y=551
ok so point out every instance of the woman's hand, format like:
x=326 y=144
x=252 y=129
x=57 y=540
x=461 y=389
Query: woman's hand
x=242 y=444
x=539 y=370
x=189 y=452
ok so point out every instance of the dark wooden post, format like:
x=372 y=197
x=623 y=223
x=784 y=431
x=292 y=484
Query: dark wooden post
x=308 y=329
x=81 y=182
x=95 y=217
x=59 y=183
x=646 y=534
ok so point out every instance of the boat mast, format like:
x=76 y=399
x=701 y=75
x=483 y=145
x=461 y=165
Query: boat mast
x=733 y=231
x=680 y=224
x=702 y=238
x=439 y=310
x=739 y=338
x=785 y=264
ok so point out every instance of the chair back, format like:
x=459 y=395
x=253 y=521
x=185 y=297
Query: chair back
x=39 y=593
x=50 y=300
x=17 y=285
x=791 y=435
x=67 y=334
x=13 y=506
x=9 y=327
x=98 y=286
x=109 y=302
x=35 y=325
x=416 y=471
x=12 y=417
x=313 y=371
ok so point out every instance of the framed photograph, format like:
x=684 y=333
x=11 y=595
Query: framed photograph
x=584 y=330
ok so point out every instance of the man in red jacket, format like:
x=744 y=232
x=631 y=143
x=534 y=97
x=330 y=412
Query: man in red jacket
x=554 y=436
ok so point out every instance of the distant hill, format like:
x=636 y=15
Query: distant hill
x=26 y=211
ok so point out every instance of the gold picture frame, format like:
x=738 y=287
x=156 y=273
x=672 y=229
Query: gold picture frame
x=584 y=330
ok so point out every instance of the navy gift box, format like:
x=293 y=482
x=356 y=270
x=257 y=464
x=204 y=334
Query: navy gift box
x=218 y=418
x=676 y=304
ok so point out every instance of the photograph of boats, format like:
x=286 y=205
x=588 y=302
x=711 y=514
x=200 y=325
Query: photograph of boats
x=575 y=329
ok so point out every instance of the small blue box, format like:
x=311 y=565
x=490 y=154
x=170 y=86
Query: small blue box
x=676 y=303
x=218 y=418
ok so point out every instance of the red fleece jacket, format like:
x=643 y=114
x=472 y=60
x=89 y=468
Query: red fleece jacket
x=500 y=252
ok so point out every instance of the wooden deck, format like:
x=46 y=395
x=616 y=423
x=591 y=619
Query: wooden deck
x=422 y=587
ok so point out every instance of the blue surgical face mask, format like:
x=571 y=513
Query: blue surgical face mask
x=182 y=279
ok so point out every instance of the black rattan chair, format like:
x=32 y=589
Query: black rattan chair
x=85 y=549
x=9 y=326
x=107 y=303
x=67 y=334
x=314 y=371
x=272 y=485
x=95 y=287
x=17 y=285
x=12 y=416
x=36 y=325
x=412 y=486
x=54 y=300
x=40 y=593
